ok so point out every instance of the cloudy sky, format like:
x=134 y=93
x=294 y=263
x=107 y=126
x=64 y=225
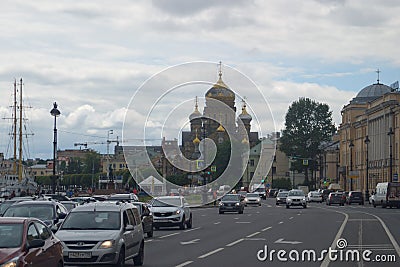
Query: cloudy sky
x=92 y=56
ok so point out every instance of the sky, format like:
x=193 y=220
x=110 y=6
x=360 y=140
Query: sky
x=107 y=61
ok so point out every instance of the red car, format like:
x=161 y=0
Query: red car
x=28 y=242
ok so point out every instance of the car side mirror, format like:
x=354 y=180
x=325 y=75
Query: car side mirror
x=62 y=215
x=35 y=243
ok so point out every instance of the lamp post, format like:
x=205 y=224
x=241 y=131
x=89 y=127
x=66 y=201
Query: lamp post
x=390 y=133
x=337 y=163
x=366 y=141
x=108 y=154
x=351 y=145
x=54 y=112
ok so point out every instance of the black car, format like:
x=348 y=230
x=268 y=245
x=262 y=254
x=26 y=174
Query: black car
x=50 y=212
x=336 y=198
x=231 y=203
x=355 y=197
x=146 y=216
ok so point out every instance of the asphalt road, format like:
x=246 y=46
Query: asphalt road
x=242 y=239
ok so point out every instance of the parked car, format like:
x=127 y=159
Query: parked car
x=48 y=211
x=355 y=197
x=252 y=199
x=146 y=216
x=129 y=197
x=336 y=198
x=102 y=233
x=171 y=211
x=231 y=203
x=314 y=196
x=387 y=194
x=296 y=197
x=28 y=242
x=281 y=197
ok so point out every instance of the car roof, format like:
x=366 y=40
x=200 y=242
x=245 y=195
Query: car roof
x=103 y=206
x=35 y=202
x=164 y=197
x=14 y=219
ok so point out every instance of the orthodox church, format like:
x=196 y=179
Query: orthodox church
x=218 y=119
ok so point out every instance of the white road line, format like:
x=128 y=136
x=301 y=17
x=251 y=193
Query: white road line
x=164 y=236
x=184 y=264
x=148 y=240
x=265 y=229
x=243 y=222
x=326 y=261
x=193 y=229
x=290 y=218
x=280 y=222
x=269 y=206
x=217 y=222
x=210 y=253
x=388 y=233
x=253 y=234
x=235 y=242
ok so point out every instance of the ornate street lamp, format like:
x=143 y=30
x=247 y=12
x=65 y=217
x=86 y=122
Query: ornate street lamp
x=351 y=145
x=390 y=133
x=54 y=112
x=366 y=141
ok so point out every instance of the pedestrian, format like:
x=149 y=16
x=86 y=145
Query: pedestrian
x=12 y=194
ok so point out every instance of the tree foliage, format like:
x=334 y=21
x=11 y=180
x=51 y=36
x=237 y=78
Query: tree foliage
x=307 y=124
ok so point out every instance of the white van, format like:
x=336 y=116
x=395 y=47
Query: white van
x=387 y=194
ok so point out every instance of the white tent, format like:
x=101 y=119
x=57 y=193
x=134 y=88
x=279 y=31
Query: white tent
x=153 y=186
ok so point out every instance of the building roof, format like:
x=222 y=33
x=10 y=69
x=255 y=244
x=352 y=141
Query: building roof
x=371 y=92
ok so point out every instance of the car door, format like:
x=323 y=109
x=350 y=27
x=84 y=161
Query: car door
x=36 y=257
x=186 y=209
x=137 y=232
x=51 y=249
x=128 y=234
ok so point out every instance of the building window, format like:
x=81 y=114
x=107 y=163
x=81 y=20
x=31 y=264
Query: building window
x=273 y=170
x=252 y=162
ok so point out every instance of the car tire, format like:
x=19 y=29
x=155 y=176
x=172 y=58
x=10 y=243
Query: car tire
x=287 y=206
x=277 y=203
x=304 y=206
x=240 y=211
x=121 y=257
x=182 y=224
x=190 y=222
x=157 y=227
x=221 y=212
x=139 y=259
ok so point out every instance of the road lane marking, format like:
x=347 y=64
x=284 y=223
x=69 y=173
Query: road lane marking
x=148 y=240
x=235 y=242
x=388 y=233
x=217 y=222
x=164 y=236
x=190 y=242
x=269 y=206
x=193 y=229
x=364 y=220
x=243 y=222
x=184 y=264
x=210 y=253
x=281 y=241
x=326 y=261
x=253 y=234
x=280 y=222
x=290 y=218
x=265 y=229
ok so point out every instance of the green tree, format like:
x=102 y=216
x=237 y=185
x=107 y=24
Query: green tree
x=307 y=124
x=91 y=163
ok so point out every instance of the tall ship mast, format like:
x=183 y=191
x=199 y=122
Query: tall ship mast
x=16 y=179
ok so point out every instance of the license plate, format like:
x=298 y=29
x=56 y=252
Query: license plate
x=79 y=255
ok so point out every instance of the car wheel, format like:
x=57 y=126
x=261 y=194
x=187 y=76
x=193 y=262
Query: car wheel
x=190 y=222
x=277 y=203
x=139 y=259
x=221 y=212
x=305 y=206
x=240 y=211
x=121 y=257
x=157 y=227
x=182 y=224
x=287 y=206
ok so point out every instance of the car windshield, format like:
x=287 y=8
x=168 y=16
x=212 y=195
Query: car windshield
x=69 y=206
x=230 y=198
x=166 y=202
x=4 y=206
x=296 y=193
x=252 y=195
x=92 y=220
x=42 y=212
x=282 y=194
x=11 y=235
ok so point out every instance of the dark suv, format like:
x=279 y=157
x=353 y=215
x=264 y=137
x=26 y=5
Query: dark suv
x=355 y=197
x=231 y=203
x=336 y=198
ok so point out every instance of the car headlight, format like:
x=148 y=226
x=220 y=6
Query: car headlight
x=221 y=204
x=245 y=199
x=177 y=212
x=11 y=263
x=237 y=204
x=107 y=244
